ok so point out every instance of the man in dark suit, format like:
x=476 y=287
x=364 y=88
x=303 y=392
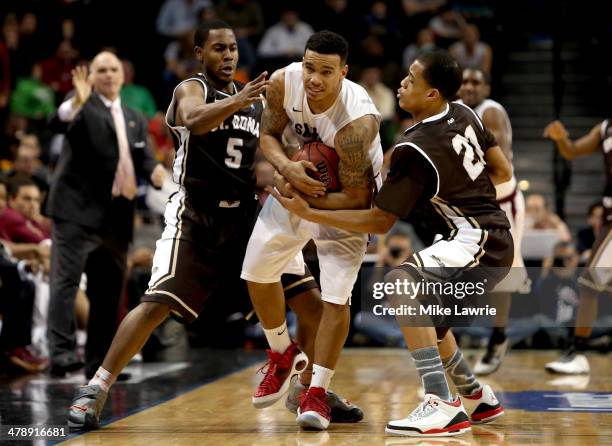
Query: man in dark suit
x=92 y=205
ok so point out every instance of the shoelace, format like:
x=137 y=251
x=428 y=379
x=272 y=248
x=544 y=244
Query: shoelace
x=312 y=402
x=422 y=410
x=269 y=383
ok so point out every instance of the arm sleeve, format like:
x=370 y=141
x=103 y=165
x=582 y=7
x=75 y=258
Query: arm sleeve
x=410 y=178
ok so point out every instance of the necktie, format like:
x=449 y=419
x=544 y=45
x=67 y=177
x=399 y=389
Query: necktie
x=125 y=178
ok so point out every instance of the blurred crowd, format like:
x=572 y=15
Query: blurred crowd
x=384 y=36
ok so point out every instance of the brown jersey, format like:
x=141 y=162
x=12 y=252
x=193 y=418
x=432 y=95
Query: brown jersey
x=438 y=173
x=606 y=148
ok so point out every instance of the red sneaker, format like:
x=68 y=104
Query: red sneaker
x=23 y=359
x=278 y=372
x=314 y=412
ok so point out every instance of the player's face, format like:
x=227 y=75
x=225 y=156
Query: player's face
x=414 y=91
x=219 y=55
x=474 y=89
x=107 y=75
x=322 y=75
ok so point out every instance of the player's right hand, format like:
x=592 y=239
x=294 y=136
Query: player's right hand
x=555 y=131
x=253 y=91
x=295 y=173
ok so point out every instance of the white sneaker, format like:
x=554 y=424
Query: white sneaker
x=492 y=359
x=571 y=363
x=434 y=417
x=482 y=406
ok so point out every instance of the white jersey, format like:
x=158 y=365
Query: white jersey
x=481 y=108
x=306 y=126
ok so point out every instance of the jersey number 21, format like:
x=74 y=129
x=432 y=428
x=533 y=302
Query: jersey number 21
x=473 y=156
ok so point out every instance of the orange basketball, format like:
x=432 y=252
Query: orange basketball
x=325 y=160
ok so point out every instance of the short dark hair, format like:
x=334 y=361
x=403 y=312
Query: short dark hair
x=594 y=206
x=17 y=182
x=201 y=35
x=328 y=42
x=442 y=72
x=486 y=77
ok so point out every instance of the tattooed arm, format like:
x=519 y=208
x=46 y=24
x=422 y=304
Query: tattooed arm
x=273 y=122
x=352 y=143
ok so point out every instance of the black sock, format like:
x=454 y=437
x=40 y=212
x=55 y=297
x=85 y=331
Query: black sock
x=579 y=343
x=498 y=336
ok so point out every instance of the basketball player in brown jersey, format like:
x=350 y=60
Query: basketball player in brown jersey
x=596 y=277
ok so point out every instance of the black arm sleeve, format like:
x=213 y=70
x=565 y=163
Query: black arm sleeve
x=411 y=178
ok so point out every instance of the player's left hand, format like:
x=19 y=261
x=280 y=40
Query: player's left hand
x=293 y=203
x=158 y=176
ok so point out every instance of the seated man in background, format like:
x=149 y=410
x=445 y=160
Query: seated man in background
x=16 y=300
x=538 y=216
x=21 y=220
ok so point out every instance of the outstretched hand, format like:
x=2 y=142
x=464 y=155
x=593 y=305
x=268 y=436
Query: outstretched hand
x=293 y=203
x=253 y=91
x=81 y=84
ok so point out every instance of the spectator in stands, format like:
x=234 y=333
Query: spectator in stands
x=334 y=16
x=20 y=221
x=379 y=23
x=5 y=75
x=161 y=138
x=177 y=17
x=157 y=198
x=136 y=96
x=538 y=216
x=383 y=98
x=381 y=95
x=32 y=98
x=16 y=303
x=10 y=35
x=180 y=63
x=470 y=52
x=417 y=15
x=396 y=248
x=447 y=26
x=27 y=164
x=425 y=42
x=3 y=196
x=247 y=20
x=587 y=235
x=286 y=39
x=29 y=41
x=557 y=287
x=56 y=70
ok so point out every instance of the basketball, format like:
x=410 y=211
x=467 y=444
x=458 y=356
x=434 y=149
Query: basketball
x=325 y=160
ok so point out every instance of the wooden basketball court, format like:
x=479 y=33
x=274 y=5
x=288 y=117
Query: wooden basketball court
x=541 y=408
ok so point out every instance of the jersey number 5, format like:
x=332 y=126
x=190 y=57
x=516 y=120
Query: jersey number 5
x=234 y=156
x=473 y=156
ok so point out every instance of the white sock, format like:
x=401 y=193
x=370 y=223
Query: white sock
x=278 y=338
x=321 y=377
x=103 y=378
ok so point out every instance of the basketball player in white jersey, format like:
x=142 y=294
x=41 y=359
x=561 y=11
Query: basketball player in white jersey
x=474 y=93
x=313 y=101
